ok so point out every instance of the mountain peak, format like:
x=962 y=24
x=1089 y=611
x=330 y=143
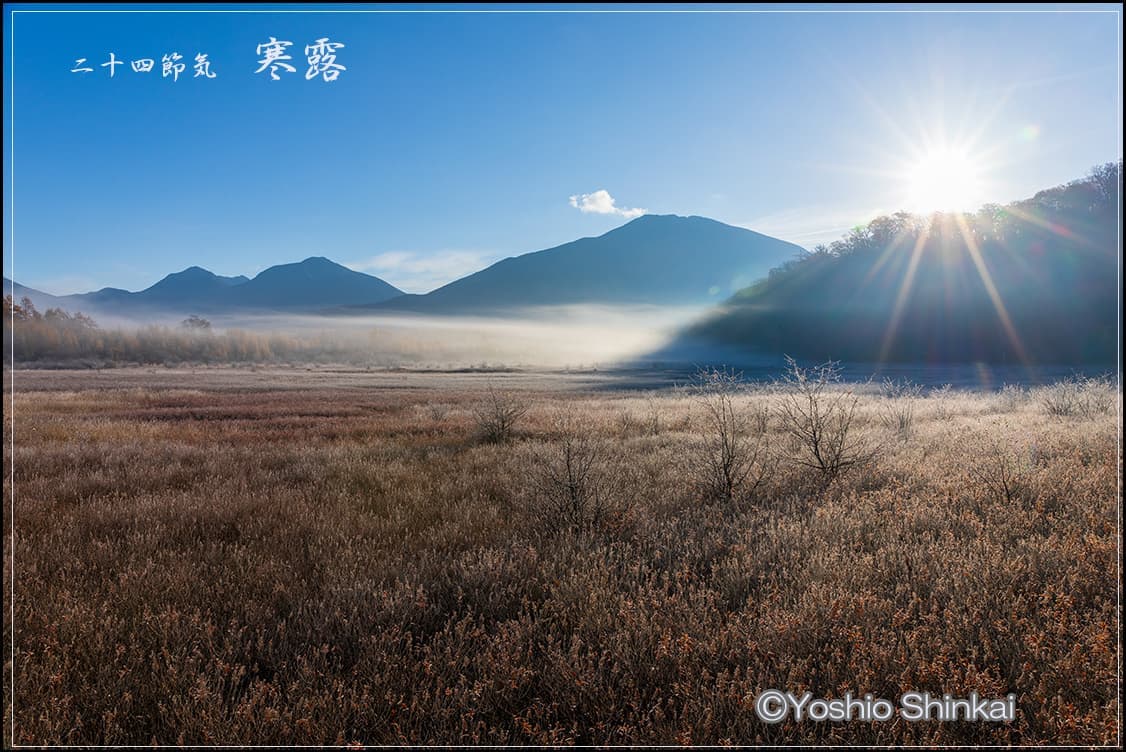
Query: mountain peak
x=687 y=219
x=193 y=271
x=655 y=259
x=651 y=226
x=195 y=280
x=673 y=219
x=649 y=219
x=316 y=282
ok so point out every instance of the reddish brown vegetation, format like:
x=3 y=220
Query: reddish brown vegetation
x=260 y=559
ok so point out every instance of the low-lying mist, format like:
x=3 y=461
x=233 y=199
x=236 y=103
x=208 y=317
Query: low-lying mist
x=563 y=337
x=551 y=337
x=555 y=336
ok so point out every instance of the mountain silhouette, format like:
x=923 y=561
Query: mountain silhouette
x=194 y=286
x=192 y=282
x=309 y=285
x=41 y=299
x=1031 y=283
x=312 y=283
x=654 y=259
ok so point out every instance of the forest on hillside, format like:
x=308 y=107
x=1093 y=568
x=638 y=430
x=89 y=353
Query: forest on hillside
x=1035 y=281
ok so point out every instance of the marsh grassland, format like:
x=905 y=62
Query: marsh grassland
x=288 y=557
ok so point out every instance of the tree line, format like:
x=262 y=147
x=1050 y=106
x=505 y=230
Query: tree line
x=56 y=336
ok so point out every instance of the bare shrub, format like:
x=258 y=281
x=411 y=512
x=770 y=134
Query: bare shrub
x=1005 y=473
x=1011 y=397
x=942 y=397
x=575 y=485
x=900 y=388
x=758 y=417
x=498 y=415
x=818 y=414
x=734 y=459
x=900 y=398
x=1078 y=396
x=438 y=411
x=627 y=423
x=644 y=421
x=1060 y=399
x=1100 y=396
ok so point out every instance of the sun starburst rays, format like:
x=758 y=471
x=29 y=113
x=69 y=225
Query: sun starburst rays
x=904 y=292
x=990 y=288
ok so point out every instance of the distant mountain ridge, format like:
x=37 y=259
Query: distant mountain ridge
x=40 y=298
x=312 y=284
x=654 y=259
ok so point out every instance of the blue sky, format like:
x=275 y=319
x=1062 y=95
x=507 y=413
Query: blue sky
x=452 y=140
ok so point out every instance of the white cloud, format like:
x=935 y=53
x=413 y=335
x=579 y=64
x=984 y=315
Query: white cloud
x=420 y=271
x=601 y=202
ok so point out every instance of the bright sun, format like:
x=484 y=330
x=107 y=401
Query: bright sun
x=944 y=179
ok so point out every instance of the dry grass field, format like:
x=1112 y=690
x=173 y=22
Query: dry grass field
x=285 y=557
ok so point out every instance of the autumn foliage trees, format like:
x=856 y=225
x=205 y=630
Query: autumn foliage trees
x=56 y=336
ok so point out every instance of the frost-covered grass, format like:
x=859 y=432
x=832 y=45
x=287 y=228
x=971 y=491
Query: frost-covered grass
x=251 y=558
